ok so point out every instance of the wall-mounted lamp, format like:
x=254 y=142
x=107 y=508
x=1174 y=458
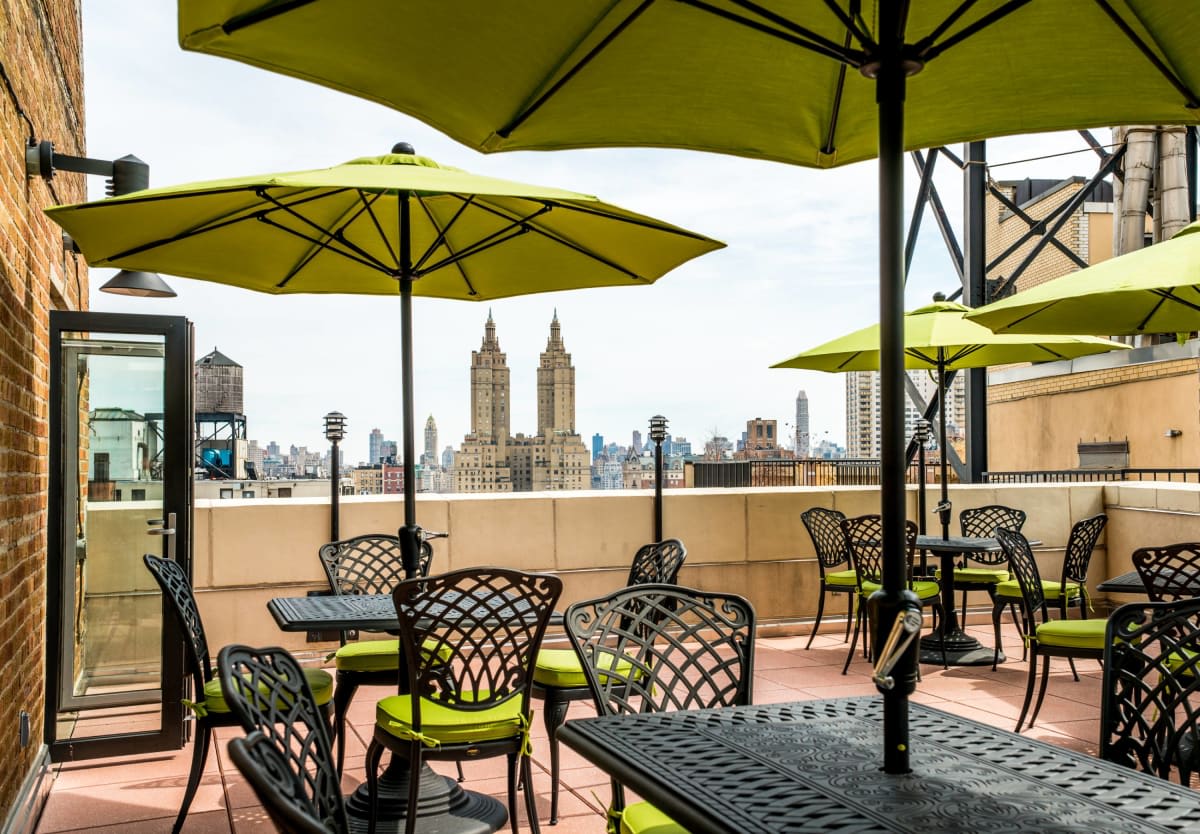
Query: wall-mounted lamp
x=125 y=175
x=1172 y=433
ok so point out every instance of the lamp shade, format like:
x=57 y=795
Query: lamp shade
x=142 y=284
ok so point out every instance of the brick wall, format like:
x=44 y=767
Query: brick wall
x=1004 y=229
x=41 y=94
x=1087 y=380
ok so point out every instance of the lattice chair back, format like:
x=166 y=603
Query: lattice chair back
x=292 y=761
x=370 y=564
x=982 y=523
x=657 y=562
x=652 y=648
x=470 y=637
x=864 y=542
x=1170 y=572
x=825 y=528
x=178 y=597
x=1150 y=704
x=1023 y=566
x=1080 y=545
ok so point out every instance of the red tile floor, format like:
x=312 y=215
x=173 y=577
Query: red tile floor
x=142 y=794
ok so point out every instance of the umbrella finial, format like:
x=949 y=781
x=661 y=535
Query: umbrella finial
x=939 y=296
x=403 y=147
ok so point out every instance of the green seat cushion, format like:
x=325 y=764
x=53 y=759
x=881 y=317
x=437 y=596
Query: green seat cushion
x=1072 y=634
x=448 y=725
x=846 y=578
x=561 y=668
x=644 y=818
x=374 y=656
x=319 y=681
x=924 y=588
x=1052 y=589
x=978 y=576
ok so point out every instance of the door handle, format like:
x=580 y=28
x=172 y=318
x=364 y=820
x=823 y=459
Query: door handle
x=167 y=532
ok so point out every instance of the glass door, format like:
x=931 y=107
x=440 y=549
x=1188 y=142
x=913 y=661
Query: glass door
x=120 y=486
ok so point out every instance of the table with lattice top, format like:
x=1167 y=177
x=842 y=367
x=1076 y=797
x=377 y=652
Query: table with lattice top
x=814 y=766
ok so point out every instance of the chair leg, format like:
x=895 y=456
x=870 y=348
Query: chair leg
x=554 y=713
x=374 y=754
x=530 y=799
x=461 y=776
x=515 y=774
x=849 y=615
x=945 y=662
x=854 y=640
x=1032 y=679
x=414 y=788
x=1041 y=689
x=816 y=625
x=1075 y=674
x=1012 y=609
x=343 y=694
x=963 y=619
x=997 y=611
x=199 y=756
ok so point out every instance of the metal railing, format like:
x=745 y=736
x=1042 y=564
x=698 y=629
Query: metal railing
x=803 y=472
x=1063 y=476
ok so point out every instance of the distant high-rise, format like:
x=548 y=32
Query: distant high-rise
x=597 y=445
x=863 y=406
x=430 y=456
x=374 y=447
x=555 y=386
x=448 y=458
x=637 y=442
x=481 y=465
x=802 y=436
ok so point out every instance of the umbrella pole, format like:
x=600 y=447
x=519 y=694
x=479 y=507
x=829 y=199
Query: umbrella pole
x=894 y=598
x=944 y=504
x=409 y=534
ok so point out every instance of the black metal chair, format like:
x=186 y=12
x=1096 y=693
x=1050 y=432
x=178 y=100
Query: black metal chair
x=210 y=706
x=833 y=560
x=653 y=648
x=1150 y=706
x=864 y=541
x=981 y=523
x=558 y=678
x=469 y=639
x=286 y=756
x=1170 y=572
x=1050 y=638
x=370 y=564
x=1071 y=587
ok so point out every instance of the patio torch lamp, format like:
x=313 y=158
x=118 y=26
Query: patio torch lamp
x=658 y=433
x=335 y=431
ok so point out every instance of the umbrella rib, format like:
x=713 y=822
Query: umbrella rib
x=364 y=257
x=259 y=15
x=852 y=28
x=632 y=221
x=489 y=242
x=441 y=238
x=1190 y=100
x=369 y=209
x=529 y=110
x=928 y=51
x=797 y=35
x=320 y=244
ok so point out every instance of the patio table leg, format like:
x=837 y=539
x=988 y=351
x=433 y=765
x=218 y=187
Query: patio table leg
x=961 y=648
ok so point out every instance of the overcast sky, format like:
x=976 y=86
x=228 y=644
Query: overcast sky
x=800 y=267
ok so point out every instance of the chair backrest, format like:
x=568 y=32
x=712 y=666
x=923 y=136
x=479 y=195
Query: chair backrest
x=982 y=523
x=287 y=758
x=1022 y=564
x=179 y=599
x=864 y=542
x=825 y=528
x=1150 y=703
x=1082 y=541
x=657 y=562
x=1170 y=572
x=470 y=637
x=370 y=564
x=689 y=649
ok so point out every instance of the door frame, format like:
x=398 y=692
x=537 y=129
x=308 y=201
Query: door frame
x=178 y=455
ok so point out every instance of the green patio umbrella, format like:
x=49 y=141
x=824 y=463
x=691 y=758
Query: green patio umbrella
x=940 y=337
x=1152 y=290
x=397 y=224
x=812 y=82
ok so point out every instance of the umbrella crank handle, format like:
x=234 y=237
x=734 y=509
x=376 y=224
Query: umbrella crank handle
x=943 y=509
x=904 y=629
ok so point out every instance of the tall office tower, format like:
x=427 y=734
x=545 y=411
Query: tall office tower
x=862 y=409
x=374 y=446
x=273 y=449
x=802 y=437
x=448 y=458
x=597 y=445
x=637 y=442
x=430 y=456
x=555 y=386
x=481 y=464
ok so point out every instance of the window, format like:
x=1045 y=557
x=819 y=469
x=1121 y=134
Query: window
x=101 y=459
x=138 y=495
x=226 y=492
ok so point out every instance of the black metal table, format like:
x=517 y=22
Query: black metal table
x=814 y=766
x=445 y=807
x=961 y=648
x=1126 y=583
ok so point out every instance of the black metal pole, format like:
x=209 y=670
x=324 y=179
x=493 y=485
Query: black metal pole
x=975 y=295
x=409 y=533
x=894 y=597
x=333 y=493
x=944 y=504
x=658 y=477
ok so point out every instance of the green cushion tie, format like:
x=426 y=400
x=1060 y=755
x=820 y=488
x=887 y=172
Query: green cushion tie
x=402 y=730
x=197 y=707
x=612 y=818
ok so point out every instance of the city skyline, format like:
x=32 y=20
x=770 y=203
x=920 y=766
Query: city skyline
x=800 y=267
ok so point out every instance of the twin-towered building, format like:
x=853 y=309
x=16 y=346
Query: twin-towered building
x=491 y=459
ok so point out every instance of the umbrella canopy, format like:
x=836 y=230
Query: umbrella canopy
x=397 y=224
x=774 y=80
x=1152 y=290
x=943 y=329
